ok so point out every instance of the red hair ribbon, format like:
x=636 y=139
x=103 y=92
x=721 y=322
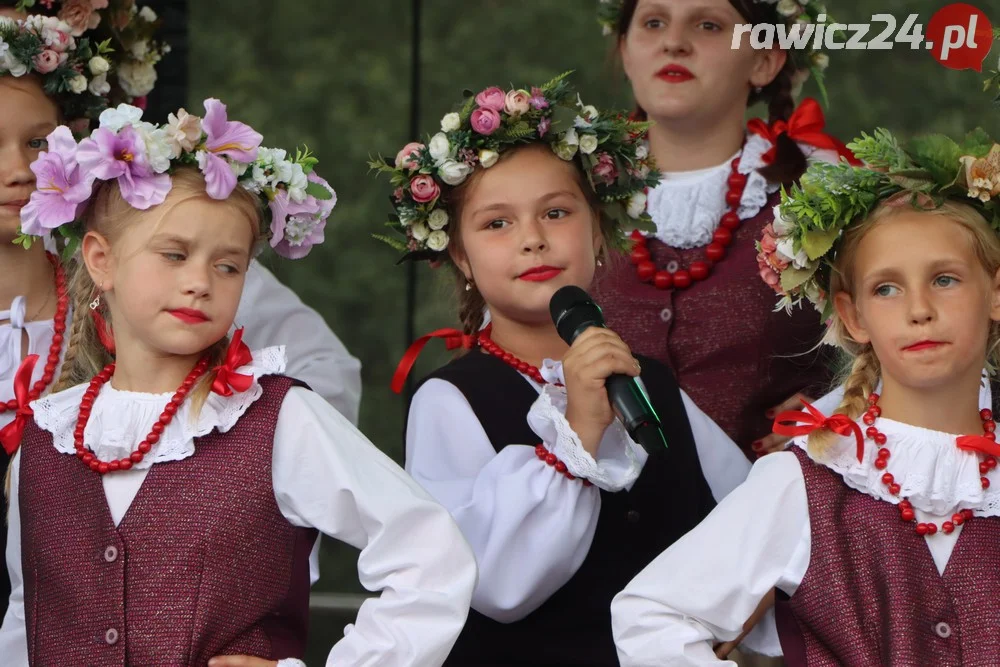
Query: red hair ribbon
x=453 y=339
x=11 y=434
x=978 y=443
x=805 y=126
x=796 y=422
x=226 y=377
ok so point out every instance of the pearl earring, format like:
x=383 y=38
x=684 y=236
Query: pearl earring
x=468 y=287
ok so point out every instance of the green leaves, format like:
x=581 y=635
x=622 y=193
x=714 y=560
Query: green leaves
x=880 y=150
x=938 y=154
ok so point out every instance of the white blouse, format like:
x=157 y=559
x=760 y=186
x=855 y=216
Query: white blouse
x=326 y=475
x=696 y=594
x=511 y=503
x=687 y=206
x=272 y=314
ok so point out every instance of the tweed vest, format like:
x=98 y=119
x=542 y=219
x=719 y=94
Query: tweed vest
x=202 y=564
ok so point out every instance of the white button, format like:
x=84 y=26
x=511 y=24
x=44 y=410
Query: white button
x=111 y=636
x=666 y=314
x=111 y=554
x=672 y=266
x=943 y=630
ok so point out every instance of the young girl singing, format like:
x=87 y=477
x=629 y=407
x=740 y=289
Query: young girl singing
x=164 y=504
x=516 y=438
x=880 y=524
x=688 y=294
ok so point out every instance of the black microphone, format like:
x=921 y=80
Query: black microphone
x=573 y=311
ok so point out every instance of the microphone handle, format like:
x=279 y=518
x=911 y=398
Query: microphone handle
x=627 y=398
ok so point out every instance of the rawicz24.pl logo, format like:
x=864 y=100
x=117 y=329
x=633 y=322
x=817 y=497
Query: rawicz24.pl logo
x=959 y=36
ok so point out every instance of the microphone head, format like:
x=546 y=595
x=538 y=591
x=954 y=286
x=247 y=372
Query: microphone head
x=572 y=311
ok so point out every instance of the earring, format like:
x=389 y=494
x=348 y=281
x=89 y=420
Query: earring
x=468 y=287
x=757 y=89
x=96 y=303
x=599 y=263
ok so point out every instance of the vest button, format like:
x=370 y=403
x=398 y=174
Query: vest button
x=111 y=554
x=943 y=630
x=673 y=266
x=632 y=516
x=111 y=636
x=666 y=314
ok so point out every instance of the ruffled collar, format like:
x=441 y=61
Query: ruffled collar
x=120 y=420
x=687 y=206
x=933 y=473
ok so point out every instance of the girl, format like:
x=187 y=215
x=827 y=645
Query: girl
x=516 y=438
x=880 y=524
x=32 y=286
x=189 y=515
x=688 y=295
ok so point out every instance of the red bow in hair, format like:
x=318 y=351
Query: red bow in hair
x=10 y=435
x=805 y=126
x=226 y=377
x=453 y=339
x=978 y=443
x=796 y=422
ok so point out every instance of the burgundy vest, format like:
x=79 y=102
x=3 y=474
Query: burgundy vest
x=731 y=352
x=202 y=564
x=872 y=594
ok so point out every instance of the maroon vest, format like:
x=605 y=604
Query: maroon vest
x=202 y=564
x=872 y=595
x=730 y=351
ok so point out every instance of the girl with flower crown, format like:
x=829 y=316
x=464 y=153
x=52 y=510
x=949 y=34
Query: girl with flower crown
x=881 y=524
x=688 y=292
x=165 y=498
x=33 y=292
x=516 y=438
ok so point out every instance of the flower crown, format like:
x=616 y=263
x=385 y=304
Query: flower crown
x=796 y=251
x=609 y=148
x=807 y=60
x=90 y=52
x=140 y=156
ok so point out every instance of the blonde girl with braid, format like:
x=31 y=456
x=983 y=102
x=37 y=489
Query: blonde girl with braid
x=880 y=526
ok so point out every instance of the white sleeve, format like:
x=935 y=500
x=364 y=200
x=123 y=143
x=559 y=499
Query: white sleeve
x=707 y=584
x=529 y=526
x=328 y=476
x=274 y=315
x=722 y=462
x=13 y=634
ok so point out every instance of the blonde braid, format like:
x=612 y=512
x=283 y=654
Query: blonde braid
x=859 y=384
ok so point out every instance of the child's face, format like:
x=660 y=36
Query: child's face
x=27 y=116
x=923 y=300
x=696 y=36
x=175 y=285
x=526 y=231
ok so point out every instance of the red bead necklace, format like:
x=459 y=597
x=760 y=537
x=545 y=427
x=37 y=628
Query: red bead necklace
x=55 y=348
x=905 y=507
x=541 y=452
x=714 y=252
x=490 y=347
x=87 y=404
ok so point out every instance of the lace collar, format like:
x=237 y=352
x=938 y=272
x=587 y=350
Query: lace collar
x=687 y=206
x=119 y=420
x=933 y=473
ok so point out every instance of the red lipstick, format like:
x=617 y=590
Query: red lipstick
x=540 y=273
x=675 y=74
x=189 y=315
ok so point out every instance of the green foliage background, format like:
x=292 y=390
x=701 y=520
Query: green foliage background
x=335 y=74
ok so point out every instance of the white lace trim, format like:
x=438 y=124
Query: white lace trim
x=687 y=206
x=616 y=466
x=120 y=420
x=933 y=473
